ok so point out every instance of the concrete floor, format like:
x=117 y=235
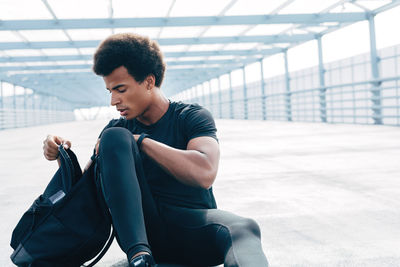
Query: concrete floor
x=324 y=195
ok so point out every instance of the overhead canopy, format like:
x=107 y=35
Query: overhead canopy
x=47 y=45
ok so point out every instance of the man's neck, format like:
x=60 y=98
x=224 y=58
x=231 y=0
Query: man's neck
x=155 y=111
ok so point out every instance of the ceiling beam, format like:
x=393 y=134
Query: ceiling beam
x=247 y=52
x=19 y=25
x=46 y=67
x=265 y=39
x=170 y=65
x=388 y=6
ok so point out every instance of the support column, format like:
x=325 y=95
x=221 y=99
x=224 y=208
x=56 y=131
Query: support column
x=203 y=95
x=25 y=110
x=2 y=112
x=25 y=98
x=263 y=97
x=196 y=94
x=210 y=97
x=33 y=104
x=15 y=107
x=219 y=97
x=246 y=115
x=1 y=95
x=231 y=96
x=375 y=89
x=191 y=95
x=288 y=102
x=34 y=111
x=14 y=97
x=322 y=89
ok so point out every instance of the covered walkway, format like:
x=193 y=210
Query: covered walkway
x=323 y=194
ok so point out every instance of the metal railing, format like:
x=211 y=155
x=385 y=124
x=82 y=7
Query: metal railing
x=344 y=103
x=17 y=118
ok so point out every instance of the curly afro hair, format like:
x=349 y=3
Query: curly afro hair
x=138 y=54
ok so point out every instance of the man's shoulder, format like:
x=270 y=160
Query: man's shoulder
x=183 y=109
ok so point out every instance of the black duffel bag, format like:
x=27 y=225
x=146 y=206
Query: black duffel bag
x=69 y=224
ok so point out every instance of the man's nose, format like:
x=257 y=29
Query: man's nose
x=114 y=99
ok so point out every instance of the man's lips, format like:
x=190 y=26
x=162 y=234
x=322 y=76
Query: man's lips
x=123 y=112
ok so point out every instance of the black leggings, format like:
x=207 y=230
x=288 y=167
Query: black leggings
x=197 y=237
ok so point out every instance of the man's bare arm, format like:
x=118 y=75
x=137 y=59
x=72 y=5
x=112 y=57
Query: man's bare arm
x=196 y=166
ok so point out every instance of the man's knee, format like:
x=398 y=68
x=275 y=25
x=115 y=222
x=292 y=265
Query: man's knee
x=244 y=227
x=114 y=139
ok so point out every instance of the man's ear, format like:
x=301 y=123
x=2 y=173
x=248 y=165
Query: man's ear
x=150 y=80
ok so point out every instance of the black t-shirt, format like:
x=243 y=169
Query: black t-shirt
x=181 y=123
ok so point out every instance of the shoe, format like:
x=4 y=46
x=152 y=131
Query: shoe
x=144 y=260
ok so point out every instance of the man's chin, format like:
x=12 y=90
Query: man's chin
x=128 y=117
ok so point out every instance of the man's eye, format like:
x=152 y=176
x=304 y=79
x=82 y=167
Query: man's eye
x=121 y=90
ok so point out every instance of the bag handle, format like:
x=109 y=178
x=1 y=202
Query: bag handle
x=66 y=164
x=101 y=200
x=103 y=251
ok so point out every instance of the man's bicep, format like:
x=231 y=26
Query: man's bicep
x=206 y=145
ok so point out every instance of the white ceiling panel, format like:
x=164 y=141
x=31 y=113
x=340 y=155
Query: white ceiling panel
x=60 y=51
x=44 y=35
x=140 y=9
x=185 y=8
x=173 y=48
x=79 y=9
x=149 y=32
x=253 y=7
x=23 y=9
x=307 y=6
x=9 y=36
x=225 y=30
x=180 y=32
x=88 y=51
x=23 y=52
x=240 y=46
x=373 y=4
x=269 y=29
x=89 y=34
x=210 y=47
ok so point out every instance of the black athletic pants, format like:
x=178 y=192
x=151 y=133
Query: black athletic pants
x=198 y=237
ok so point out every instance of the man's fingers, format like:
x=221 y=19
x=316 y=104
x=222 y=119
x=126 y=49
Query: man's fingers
x=50 y=155
x=50 y=146
x=58 y=140
x=51 y=141
x=67 y=144
x=50 y=152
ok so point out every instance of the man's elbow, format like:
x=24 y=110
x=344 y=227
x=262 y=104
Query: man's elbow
x=207 y=179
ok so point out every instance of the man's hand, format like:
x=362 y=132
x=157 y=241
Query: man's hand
x=50 y=146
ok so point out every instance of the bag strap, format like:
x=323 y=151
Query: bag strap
x=68 y=167
x=102 y=203
x=103 y=251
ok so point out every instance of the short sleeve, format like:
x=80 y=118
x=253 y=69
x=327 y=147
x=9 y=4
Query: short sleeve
x=197 y=122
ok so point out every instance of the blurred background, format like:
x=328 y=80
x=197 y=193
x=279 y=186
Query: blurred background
x=297 y=60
